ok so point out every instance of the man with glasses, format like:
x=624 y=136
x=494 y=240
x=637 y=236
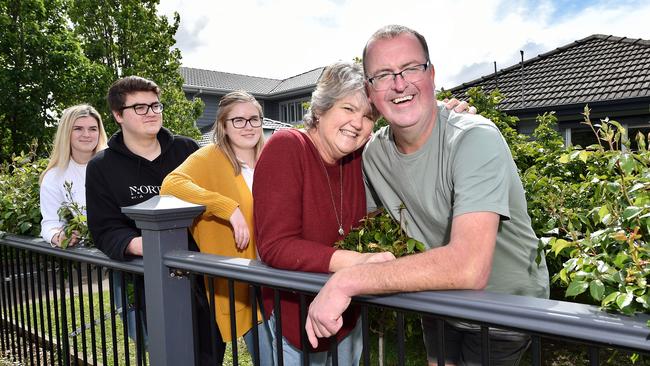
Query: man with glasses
x=455 y=175
x=128 y=172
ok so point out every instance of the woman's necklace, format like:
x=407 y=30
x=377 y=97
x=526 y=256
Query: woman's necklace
x=338 y=221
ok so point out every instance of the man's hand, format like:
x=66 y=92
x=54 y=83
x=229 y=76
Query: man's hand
x=459 y=106
x=325 y=312
x=135 y=246
x=376 y=257
x=240 y=229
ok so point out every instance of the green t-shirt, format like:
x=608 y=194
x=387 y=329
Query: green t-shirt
x=465 y=166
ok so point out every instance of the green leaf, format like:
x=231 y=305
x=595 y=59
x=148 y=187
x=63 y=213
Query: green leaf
x=576 y=288
x=584 y=155
x=631 y=212
x=621 y=258
x=558 y=245
x=563 y=275
x=610 y=298
x=624 y=300
x=604 y=211
x=597 y=289
x=410 y=245
x=564 y=158
x=627 y=163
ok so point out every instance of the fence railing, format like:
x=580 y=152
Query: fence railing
x=36 y=312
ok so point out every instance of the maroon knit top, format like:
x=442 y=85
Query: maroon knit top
x=295 y=221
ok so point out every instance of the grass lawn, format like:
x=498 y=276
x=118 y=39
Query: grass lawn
x=83 y=328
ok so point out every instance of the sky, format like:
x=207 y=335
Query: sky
x=282 y=38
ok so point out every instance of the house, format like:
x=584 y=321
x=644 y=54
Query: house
x=282 y=100
x=610 y=74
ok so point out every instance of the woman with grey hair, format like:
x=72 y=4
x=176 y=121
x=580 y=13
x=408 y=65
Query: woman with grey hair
x=312 y=180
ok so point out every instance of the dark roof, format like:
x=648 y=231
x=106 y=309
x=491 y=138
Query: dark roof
x=226 y=82
x=594 y=69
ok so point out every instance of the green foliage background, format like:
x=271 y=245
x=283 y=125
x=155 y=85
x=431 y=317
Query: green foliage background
x=57 y=53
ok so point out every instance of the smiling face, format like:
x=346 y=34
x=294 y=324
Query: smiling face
x=137 y=126
x=404 y=104
x=84 y=137
x=245 y=138
x=343 y=128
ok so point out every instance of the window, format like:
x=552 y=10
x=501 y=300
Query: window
x=292 y=111
x=584 y=136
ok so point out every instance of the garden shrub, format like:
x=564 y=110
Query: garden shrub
x=19 y=193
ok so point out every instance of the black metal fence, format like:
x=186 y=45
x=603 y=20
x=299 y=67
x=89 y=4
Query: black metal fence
x=61 y=307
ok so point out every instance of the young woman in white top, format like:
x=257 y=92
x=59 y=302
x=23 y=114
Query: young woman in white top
x=79 y=136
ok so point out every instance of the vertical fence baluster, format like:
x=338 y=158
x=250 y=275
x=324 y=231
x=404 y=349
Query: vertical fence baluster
x=82 y=315
x=536 y=350
x=73 y=315
x=65 y=355
x=401 y=339
x=55 y=302
x=47 y=340
x=15 y=283
x=7 y=327
x=213 y=321
x=48 y=308
x=102 y=318
x=91 y=313
x=440 y=344
x=139 y=333
x=23 y=291
x=256 y=336
x=334 y=350
x=277 y=314
x=233 y=322
x=34 y=329
x=111 y=294
x=303 y=332
x=594 y=357
x=365 y=326
x=485 y=345
x=125 y=317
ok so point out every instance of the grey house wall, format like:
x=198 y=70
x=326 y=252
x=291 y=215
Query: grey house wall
x=209 y=115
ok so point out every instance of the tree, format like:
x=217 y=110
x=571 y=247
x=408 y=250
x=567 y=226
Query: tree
x=42 y=69
x=128 y=37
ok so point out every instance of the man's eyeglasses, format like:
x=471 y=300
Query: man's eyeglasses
x=411 y=74
x=240 y=122
x=142 y=109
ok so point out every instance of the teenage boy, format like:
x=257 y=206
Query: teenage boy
x=131 y=170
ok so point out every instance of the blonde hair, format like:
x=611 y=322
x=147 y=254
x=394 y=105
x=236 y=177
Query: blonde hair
x=61 y=149
x=219 y=136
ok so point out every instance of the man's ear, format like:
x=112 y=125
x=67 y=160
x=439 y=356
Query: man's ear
x=118 y=116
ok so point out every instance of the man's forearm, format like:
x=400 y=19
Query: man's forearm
x=436 y=269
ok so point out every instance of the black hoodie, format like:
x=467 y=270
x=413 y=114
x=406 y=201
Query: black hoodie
x=116 y=178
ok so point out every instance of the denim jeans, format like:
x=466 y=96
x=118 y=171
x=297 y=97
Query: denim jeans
x=264 y=335
x=349 y=349
x=128 y=315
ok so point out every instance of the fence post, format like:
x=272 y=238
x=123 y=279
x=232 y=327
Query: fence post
x=164 y=221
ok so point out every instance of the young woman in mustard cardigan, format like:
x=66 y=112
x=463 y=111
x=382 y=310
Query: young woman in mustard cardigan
x=220 y=177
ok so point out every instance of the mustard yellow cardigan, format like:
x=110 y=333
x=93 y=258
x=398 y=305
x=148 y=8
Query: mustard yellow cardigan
x=207 y=178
